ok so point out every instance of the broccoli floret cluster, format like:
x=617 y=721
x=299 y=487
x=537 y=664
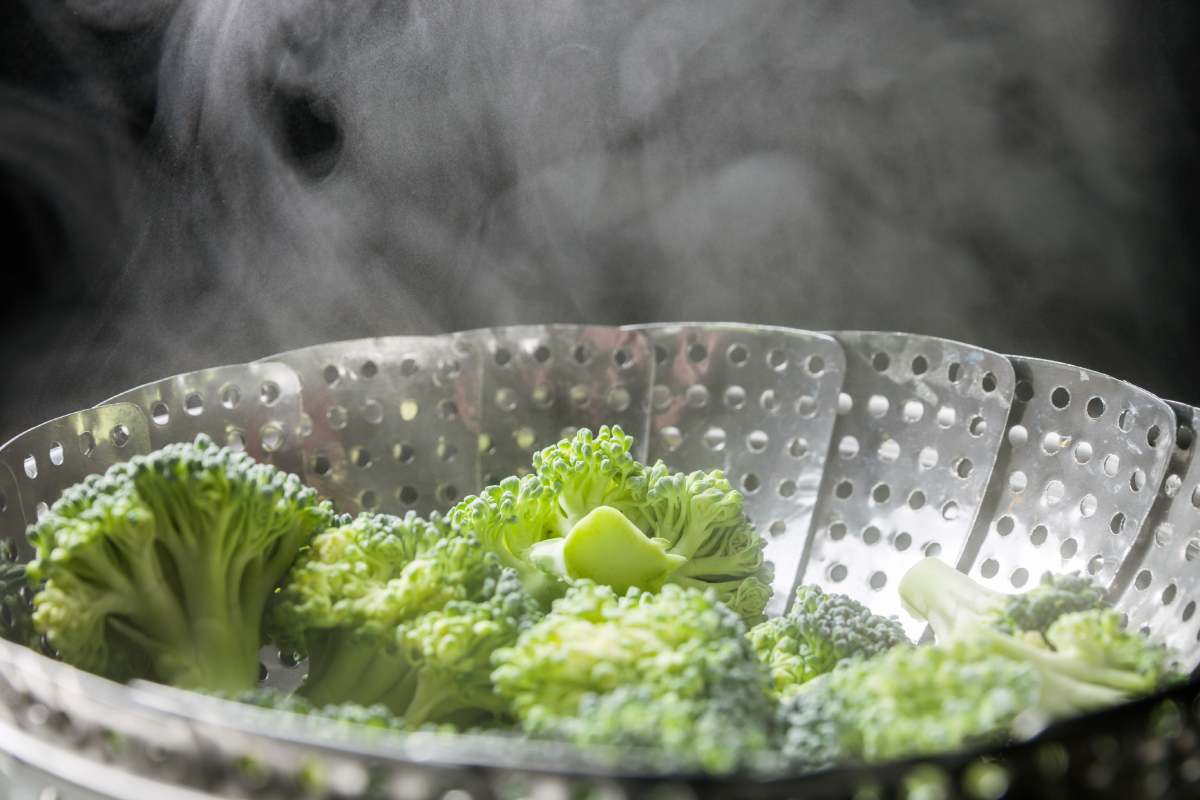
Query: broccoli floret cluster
x=907 y=701
x=819 y=632
x=162 y=567
x=401 y=612
x=16 y=616
x=1084 y=657
x=597 y=601
x=591 y=511
x=670 y=670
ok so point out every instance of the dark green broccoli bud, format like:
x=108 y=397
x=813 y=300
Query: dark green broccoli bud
x=602 y=516
x=509 y=519
x=818 y=633
x=16 y=615
x=1056 y=595
x=908 y=701
x=1085 y=659
x=162 y=567
x=670 y=671
x=404 y=613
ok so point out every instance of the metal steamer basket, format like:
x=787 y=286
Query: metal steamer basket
x=858 y=453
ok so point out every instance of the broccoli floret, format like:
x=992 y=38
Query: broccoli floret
x=671 y=671
x=819 y=632
x=16 y=616
x=508 y=519
x=1085 y=659
x=404 y=613
x=907 y=701
x=377 y=716
x=602 y=516
x=162 y=567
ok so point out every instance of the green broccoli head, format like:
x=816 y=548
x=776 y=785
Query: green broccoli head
x=508 y=519
x=592 y=512
x=16 y=615
x=585 y=472
x=1084 y=658
x=402 y=612
x=908 y=701
x=818 y=633
x=1054 y=596
x=670 y=670
x=162 y=567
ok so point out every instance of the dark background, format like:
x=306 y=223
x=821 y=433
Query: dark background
x=183 y=189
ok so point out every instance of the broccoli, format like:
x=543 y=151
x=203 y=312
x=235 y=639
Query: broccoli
x=671 y=671
x=907 y=701
x=1085 y=659
x=591 y=511
x=819 y=632
x=376 y=716
x=508 y=519
x=16 y=617
x=162 y=567
x=404 y=613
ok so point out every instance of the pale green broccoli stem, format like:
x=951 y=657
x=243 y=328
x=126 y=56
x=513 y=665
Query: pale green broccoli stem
x=222 y=651
x=357 y=671
x=209 y=650
x=607 y=548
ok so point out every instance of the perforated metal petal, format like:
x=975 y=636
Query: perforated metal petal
x=1082 y=459
x=57 y=454
x=919 y=423
x=541 y=383
x=389 y=424
x=253 y=407
x=758 y=403
x=12 y=518
x=1161 y=576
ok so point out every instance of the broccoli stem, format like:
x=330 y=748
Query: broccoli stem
x=358 y=671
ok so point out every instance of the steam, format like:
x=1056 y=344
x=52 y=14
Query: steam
x=322 y=169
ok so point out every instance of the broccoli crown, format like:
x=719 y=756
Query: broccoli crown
x=819 y=632
x=508 y=519
x=1097 y=637
x=16 y=617
x=1085 y=660
x=585 y=472
x=403 y=612
x=592 y=512
x=162 y=566
x=670 y=670
x=1054 y=596
x=907 y=701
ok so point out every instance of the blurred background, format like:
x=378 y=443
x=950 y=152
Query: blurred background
x=196 y=182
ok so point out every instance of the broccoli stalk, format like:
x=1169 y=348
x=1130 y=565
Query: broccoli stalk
x=403 y=613
x=1084 y=657
x=162 y=567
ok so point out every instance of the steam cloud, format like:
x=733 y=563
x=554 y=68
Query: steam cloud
x=324 y=169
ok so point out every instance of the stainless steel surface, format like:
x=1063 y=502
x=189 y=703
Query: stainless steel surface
x=1080 y=463
x=1161 y=578
x=754 y=402
x=919 y=420
x=253 y=407
x=859 y=452
x=47 y=459
x=388 y=424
